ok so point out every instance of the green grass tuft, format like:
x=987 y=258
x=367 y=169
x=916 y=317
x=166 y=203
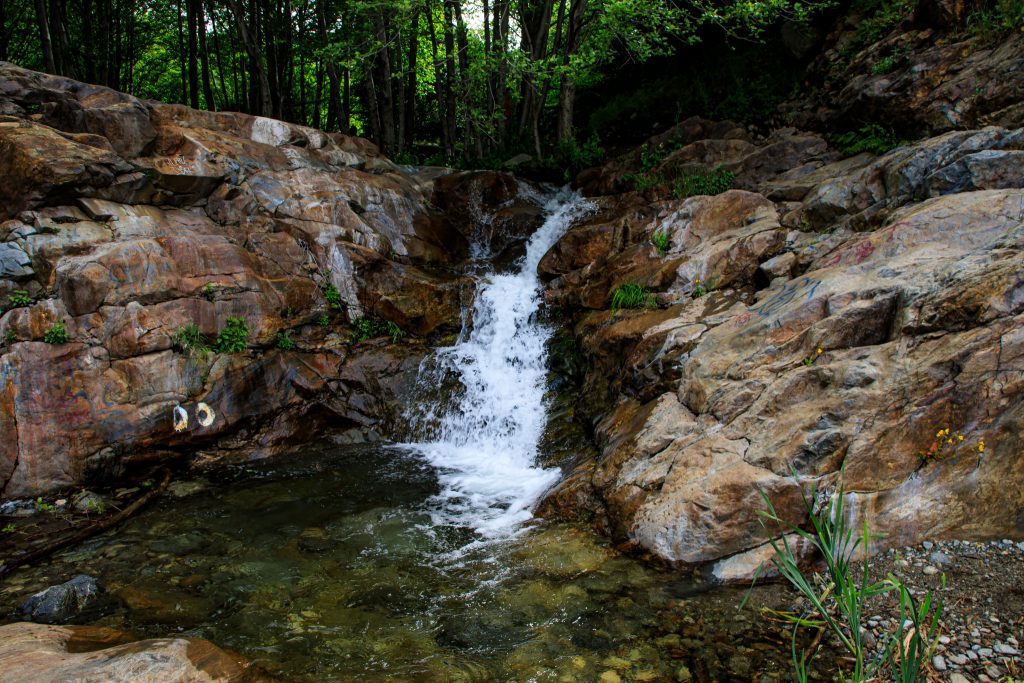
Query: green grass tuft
x=631 y=295
x=191 y=341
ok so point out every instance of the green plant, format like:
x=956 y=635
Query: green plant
x=19 y=298
x=324 y=320
x=96 y=506
x=990 y=22
x=207 y=291
x=838 y=600
x=333 y=297
x=189 y=340
x=233 y=338
x=57 y=334
x=809 y=361
x=716 y=182
x=10 y=337
x=284 y=340
x=42 y=506
x=661 y=241
x=872 y=138
x=8 y=528
x=631 y=295
x=367 y=327
x=884 y=65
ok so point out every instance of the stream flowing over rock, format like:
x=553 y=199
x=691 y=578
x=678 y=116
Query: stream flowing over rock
x=855 y=309
x=128 y=220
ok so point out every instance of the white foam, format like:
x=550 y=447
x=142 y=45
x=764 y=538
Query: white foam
x=484 y=443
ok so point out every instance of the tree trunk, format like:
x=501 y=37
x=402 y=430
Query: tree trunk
x=449 y=73
x=204 y=57
x=193 y=54
x=44 y=36
x=263 y=105
x=567 y=90
x=410 y=90
x=439 y=85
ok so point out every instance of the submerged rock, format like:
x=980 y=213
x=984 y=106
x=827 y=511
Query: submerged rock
x=80 y=599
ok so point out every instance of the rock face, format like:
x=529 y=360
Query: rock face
x=919 y=80
x=127 y=221
x=854 y=310
x=44 y=654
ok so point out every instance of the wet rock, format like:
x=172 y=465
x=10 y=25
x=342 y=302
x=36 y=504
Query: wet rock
x=80 y=599
x=88 y=502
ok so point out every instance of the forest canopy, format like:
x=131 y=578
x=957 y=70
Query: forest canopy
x=449 y=79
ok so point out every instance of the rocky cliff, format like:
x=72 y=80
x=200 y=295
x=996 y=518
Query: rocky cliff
x=860 y=314
x=126 y=222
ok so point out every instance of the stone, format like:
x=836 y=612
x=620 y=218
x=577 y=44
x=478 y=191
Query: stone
x=930 y=570
x=957 y=677
x=939 y=663
x=81 y=598
x=88 y=502
x=48 y=654
x=1004 y=649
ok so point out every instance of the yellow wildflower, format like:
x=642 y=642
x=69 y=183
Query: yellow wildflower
x=819 y=350
x=959 y=437
x=981 y=446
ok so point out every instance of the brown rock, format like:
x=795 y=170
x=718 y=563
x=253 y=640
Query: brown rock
x=41 y=654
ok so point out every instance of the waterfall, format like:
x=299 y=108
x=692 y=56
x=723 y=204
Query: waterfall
x=483 y=440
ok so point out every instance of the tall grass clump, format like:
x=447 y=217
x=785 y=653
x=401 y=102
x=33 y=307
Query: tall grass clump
x=838 y=597
x=631 y=295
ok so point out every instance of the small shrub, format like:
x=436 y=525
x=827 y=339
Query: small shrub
x=871 y=138
x=716 y=182
x=660 y=241
x=57 y=334
x=333 y=297
x=324 y=320
x=234 y=336
x=699 y=289
x=207 y=291
x=809 y=361
x=19 y=298
x=631 y=295
x=991 y=23
x=8 y=528
x=368 y=327
x=189 y=340
x=42 y=506
x=284 y=340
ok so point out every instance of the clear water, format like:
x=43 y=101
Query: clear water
x=421 y=562
x=482 y=433
x=326 y=566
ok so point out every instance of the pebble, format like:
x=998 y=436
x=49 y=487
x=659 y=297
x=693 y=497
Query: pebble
x=944 y=640
x=958 y=678
x=927 y=545
x=1004 y=649
x=930 y=570
x=959 y=660
x=939 y=663
x=984 y=652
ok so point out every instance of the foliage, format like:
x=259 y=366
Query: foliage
x=716 y=182
x=10 y=337
x=191 y=341
x=324 y=320
x=57 y=334
x=838 y=600
x=991 y=21
x=699 y=289
x=368 y=327
x=284 y=340
x=873 y=138
x=19 y=298
x=879 y=18
x=884 y=65
x=631 y=295
x=207 y=291
x=661 y=241
x=42 y=506
x=233 y=338
x=8 y=528
x=333 y=297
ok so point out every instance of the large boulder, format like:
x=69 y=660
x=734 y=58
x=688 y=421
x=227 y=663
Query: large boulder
x=48 y=654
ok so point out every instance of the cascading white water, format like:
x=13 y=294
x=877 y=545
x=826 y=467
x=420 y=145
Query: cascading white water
x=484 y=444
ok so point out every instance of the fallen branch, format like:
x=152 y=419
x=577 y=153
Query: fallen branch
x=89 y=531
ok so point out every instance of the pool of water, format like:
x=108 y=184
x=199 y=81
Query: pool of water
x=326 y=566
